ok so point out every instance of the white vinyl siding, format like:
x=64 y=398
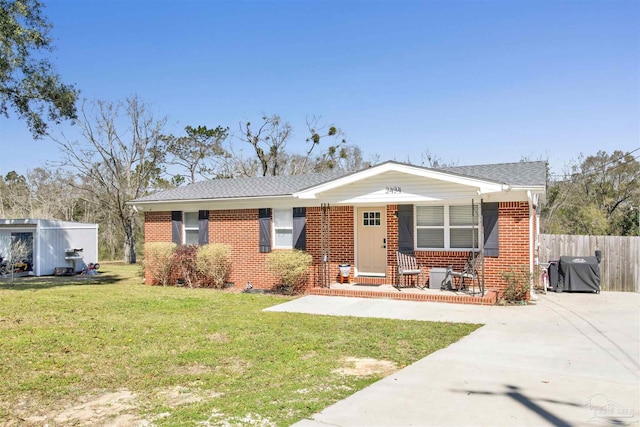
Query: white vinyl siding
x=283 y=228
x=446 y=227
x=191 y=228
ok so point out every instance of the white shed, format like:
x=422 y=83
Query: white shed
x=54 y=243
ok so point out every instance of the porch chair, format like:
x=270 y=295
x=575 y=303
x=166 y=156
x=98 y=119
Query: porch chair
x=408 y=266
x=469 y=273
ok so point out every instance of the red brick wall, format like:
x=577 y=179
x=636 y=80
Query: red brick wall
x=514 y=246
x=341 y=239
x=240 y=229
x=157 y=227
x=513 y=232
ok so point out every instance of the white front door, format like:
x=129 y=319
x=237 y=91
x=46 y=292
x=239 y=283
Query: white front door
x=372 y=241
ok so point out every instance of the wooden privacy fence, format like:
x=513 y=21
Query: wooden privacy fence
x=620 y=266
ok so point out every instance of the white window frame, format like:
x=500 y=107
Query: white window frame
x=447 y=227
x=185 y=228
x=288 y=226
x=372 y=221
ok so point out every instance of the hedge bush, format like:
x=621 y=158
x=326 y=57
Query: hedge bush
x=213 y=263
x=291 y=266
x=159 y=261
x=184 y=267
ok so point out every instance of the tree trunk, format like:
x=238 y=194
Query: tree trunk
x=129 y=244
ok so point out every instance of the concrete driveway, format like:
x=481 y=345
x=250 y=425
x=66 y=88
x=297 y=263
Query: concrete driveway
x=570 y=360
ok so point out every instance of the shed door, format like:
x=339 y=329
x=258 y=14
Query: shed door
x=372 y=244
x=22 y=246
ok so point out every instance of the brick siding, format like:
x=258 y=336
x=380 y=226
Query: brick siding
x=240 y=229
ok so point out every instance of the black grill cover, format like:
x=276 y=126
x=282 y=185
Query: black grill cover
x=579 y=273
x=552 y=274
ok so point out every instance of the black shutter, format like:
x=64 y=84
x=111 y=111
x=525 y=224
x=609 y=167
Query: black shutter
x=405 y=228
x=176 y=227
x=264 y=218
x=203 y=227
x=490 y=224
x=300 y=228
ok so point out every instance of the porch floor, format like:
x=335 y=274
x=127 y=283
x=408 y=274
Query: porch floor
x=387 y=291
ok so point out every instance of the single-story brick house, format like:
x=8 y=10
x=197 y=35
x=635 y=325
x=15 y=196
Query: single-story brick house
x=360 y=218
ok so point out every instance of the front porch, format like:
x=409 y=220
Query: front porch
x=388 y=291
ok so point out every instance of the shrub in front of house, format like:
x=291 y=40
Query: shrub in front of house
x=184 y=271
x=292 y=267
x=213 y=264
x=158 y=261
x=518 y=283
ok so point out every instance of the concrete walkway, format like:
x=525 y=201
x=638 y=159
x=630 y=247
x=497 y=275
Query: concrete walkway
x=570 y=360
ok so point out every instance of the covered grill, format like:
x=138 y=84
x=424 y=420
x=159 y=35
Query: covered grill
x=581 y=274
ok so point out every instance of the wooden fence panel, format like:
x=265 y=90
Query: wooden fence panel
x=620 y=266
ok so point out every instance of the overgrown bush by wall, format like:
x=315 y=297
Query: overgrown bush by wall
x=213 y=264
x=184 y=271
x=158 y=261
x=518 y=283
x=292 y=267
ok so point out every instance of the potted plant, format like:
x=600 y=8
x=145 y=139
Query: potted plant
x=345 y=270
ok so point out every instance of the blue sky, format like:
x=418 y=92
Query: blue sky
x=472 y=82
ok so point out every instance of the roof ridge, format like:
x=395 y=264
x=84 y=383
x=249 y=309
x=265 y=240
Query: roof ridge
x=493 y=164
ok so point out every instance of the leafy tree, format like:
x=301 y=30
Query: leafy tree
x=28 y=82
x=196 y=151
x=119 y=159
x=598 y=196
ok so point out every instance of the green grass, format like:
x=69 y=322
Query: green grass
x=67 y=340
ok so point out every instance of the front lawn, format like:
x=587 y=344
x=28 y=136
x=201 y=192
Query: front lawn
x=108 y=349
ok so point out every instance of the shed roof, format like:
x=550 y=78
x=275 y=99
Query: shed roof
x=50 y=223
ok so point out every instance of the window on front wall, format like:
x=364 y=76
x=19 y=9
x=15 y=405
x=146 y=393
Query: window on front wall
x=191 y=228
x=283 y=228
x=446 y=227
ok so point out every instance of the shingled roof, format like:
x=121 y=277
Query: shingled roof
x=263 y=186
x=516 y=174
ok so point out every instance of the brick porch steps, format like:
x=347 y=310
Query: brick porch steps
x=490 y=297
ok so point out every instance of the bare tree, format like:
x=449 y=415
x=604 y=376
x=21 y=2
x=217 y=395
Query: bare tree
x=117 y=158
x=51 y=193
x=15 y=196
x=19 y=251
x=431 y=160
x=270 y=153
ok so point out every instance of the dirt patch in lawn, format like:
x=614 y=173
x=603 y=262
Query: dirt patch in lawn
x=220 y=337
x=193 y=369
x=116 y=409
x=109 y=409
x=364 y=367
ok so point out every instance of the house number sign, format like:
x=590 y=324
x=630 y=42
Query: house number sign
x=393 y=190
